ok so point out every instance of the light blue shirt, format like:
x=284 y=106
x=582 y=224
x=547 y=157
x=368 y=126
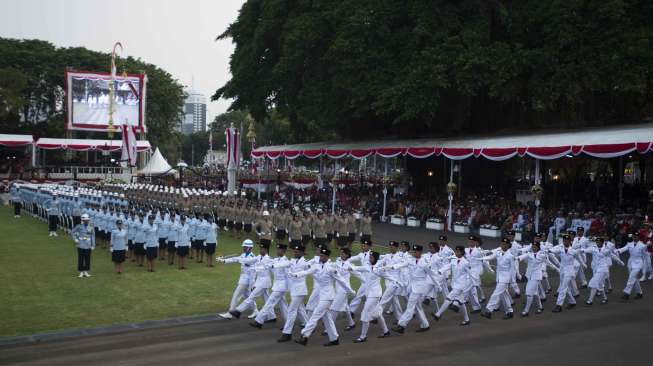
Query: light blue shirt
x=119 y=239
x=84 y=236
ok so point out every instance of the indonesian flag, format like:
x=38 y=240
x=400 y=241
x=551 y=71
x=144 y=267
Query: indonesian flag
x=232 y=147
x=129 y=153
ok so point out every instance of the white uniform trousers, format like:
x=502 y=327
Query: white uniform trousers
x=372 y=310
x=565 y=290
x=413 y=305
x=500 y=297
x=391 y=296
x=241 y=291
x=322 y=312
x=648 y=267
x=313 y=299
x=250 y=301
x=295 y=309
x=267 y=312
x=634 y=274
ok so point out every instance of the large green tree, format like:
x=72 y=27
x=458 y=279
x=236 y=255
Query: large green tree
x=372 y=68
x=32 y=94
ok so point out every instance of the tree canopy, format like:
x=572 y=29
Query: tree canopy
x=383 y=68
x=32 y=94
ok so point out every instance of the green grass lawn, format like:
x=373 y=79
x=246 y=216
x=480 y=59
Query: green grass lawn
x=40 y=290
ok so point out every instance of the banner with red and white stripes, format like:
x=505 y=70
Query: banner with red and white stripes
x=129 y=146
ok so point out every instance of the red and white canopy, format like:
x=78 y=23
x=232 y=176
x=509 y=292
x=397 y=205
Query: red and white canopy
x=85 y=145
x=16 y=140
x=601 y=143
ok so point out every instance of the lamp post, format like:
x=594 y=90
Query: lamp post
x=386 y=180
x=251 y=137
x=537 y=192
x=451 y=189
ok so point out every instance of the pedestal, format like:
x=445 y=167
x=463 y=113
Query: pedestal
x=231 y=180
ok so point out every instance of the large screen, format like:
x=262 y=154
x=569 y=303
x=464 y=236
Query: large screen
x=88 y=100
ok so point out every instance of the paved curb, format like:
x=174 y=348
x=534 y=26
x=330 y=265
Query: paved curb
x=110 y=329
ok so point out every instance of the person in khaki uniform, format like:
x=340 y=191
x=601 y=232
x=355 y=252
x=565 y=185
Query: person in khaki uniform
x=320 y=229
x=286 y=220
x=351 y=228
x=306 y=228
x=342 y=229
x=295 y=231
x=263 y=229
x=366 y=227
x=330 y=227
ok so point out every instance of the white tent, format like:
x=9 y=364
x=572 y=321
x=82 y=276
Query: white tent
x=157 y=165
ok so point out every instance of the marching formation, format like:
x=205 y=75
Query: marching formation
x=409 y=282
x=428 y=282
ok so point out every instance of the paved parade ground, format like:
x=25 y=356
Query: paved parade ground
x=615 y=333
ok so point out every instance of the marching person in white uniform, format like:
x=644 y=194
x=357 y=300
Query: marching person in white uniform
x=504 y=275
x=602 y=257
x=637 y=252
x=325 y=274
x=341 y=302
x=419 y=271
x=362 y=258
x=569 y=258
x=537 y=261
x=461 y=285
x=371 y=310
x=393 y=288
x=278 y=266
x=298 y=291
x=247 y=261
x=262 y=284
x=474 y=255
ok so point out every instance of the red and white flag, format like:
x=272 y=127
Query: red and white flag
x=233 y=148
x=129 y=153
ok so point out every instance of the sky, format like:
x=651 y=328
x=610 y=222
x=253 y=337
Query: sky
x=176 y=35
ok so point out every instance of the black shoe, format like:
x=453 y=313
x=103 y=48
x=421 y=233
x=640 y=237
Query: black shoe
x=508 y=315
x=303 y=341
x=360 y=340
x=332 y=343
x=352 y=314
x=486 y=314
x=599 y=293
x=284 y=338
x=271 y=321
x=583 y=287
x=464 y=323
x=375 y=321
x=588 y=303
x=516 y=296
x=576 y=296
x=475 y=311
x=539 y=311
x=349 y=327
x=543 y=300
x=436 y=317
x=426 y=302
x=608 y=291
x=235 y=313
x=454 y=308
x=524 y=314
x=384 y=335
x=399 y=329
x=639 y=296
x=625 y=297
x=324 y=333
x=570 y=306
x=422 y=330
x=256 y=325
x=557 y=309
x=481 y=301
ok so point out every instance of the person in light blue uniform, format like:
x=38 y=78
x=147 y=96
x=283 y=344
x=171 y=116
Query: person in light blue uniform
x=14 y=197
x=173 y=237
x=192 y=228
x=84 y=238
x=139 y=246
x=151 y=242
x=183 y=241
x=201 y=228
x=53 y=210
x=131 y=224
x=76 y=210
x=162 y=222
x=211 y=240
x=118 y=245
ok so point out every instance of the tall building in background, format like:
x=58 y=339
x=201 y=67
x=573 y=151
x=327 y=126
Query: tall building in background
x=194 y=113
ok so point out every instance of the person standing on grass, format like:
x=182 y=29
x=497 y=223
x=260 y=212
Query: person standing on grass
x=163 y=225
x=139 y=246
x=173 y=237
x=151 y=242
x=131 y=224
x=54 y=210
x=183 y=241
x=201 y=232
x=118 y=245
x=84 y=238
x=14 y=195
x=211 y=240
